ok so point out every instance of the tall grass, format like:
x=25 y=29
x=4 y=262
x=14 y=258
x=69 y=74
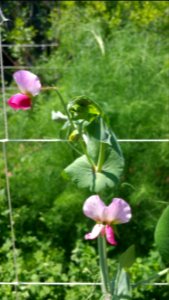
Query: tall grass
x=130 y=81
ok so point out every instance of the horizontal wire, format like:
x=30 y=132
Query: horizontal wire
x=30 y=45
x=32 y=140
x=74 y=283
x=65 y=140
x=28 y=67
x=52 y=283
x=142 y=140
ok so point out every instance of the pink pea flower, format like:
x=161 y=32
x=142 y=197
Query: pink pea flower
x=29 y=85
x=117 y=212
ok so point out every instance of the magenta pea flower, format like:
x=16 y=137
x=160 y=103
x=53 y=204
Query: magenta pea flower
x=29 y=85
x=117 y=212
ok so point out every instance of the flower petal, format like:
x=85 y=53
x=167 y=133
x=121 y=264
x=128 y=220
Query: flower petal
x=95 y=232
x=93 y=208
x=27 y=82
x=110 y=235
x=117 y=212
x=20 y=101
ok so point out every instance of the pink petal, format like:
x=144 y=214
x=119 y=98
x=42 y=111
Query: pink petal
x=27 y=82
x=117 y=212
x=110 y=235
x=20 y=101
x=93 y=208
x=95 y=232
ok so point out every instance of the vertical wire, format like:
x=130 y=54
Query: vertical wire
x=4 y=149
x=3 y=88
x=10 y=213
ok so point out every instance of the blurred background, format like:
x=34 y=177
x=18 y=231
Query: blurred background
x=116 y=53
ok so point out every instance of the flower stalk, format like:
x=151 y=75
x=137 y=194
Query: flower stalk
x=101 y=157
x=64 y=106
x=104 y=268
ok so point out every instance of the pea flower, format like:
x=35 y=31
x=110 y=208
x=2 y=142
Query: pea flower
x=117 y=212
x=29 y=85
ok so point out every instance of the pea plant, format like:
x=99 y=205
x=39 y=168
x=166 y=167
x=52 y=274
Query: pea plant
x=99 y=166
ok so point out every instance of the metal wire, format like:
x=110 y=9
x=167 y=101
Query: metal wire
x=16 y=283
x=51 y=140
x=10 y=212
x=30 y=45
x=52 y=283
x=4 y=150
x=3 y=88
x=29 y=67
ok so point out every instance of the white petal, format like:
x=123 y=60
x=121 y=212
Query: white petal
x=95 y=232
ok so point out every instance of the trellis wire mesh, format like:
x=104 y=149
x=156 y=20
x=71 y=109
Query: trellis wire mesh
x=7 y=139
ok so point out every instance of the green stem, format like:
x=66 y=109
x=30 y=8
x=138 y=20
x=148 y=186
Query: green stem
x=61 y=100
x=65 y=107
x=83 y=146
x=101 y=156
x=102 y=149
x=104 y=268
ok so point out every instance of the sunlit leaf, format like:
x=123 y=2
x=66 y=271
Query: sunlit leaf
x=87 y=176
x=83 y=108
x=98 y=130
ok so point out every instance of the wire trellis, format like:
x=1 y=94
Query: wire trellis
x=30 y=45
x=7 y=139
x=63 y=140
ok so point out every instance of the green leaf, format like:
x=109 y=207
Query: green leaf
x=121 y=287
x=127 y=258
x=98 y=130
x=162 y=236
x=83 y=108
x=87 y=176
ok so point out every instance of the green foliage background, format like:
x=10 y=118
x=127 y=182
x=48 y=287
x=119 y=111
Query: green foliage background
x=116 y=53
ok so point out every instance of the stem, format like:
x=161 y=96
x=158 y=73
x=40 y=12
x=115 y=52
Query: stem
x=74 y=148
x=65 y=108
x=101 y=150
x=87 y=154
x=61 y=100
x=104 y=268
x=101 y=156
